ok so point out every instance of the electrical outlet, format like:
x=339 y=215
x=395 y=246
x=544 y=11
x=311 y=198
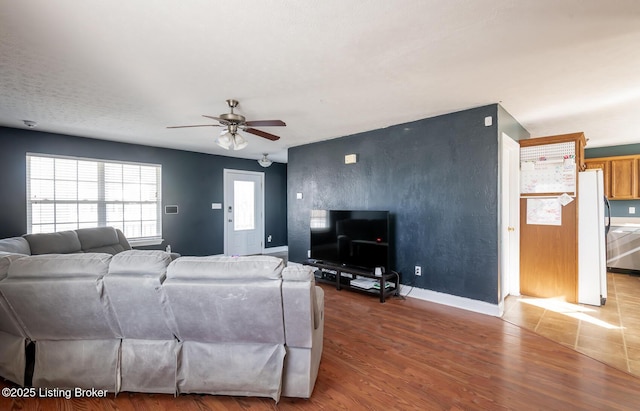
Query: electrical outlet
x=632 y=210
x=418 y=270
x=269 y=238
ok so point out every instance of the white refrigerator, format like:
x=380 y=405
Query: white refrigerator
x=592 y=248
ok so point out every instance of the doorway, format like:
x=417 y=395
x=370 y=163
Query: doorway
x=509 y=218
x=243 y=212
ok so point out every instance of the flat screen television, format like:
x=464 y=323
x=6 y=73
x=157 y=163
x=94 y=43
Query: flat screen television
x=350 y=238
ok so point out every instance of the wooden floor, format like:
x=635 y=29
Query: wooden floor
x=413 y=355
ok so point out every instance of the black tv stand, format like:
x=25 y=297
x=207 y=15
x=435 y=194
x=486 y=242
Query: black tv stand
x=341 y=277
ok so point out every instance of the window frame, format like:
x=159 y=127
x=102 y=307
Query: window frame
x=101 y=202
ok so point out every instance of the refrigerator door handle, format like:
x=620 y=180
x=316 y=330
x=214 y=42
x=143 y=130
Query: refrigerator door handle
x=608 y=224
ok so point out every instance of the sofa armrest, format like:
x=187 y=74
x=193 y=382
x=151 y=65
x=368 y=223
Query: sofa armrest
x=318 y=313
x=303 y=305
x=15 y=245
x=122 y=239
x=5 y=262
x=304 y=330
x=298 y=272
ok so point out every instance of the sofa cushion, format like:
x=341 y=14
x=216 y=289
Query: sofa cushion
x=16 y=245
x=102 y=240
x=61 y=242
x=141 y=262
x=58 y=265
x=61 y=296
x=226 y=268
x=134 y=287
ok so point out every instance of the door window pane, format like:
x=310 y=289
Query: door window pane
x=243 y=205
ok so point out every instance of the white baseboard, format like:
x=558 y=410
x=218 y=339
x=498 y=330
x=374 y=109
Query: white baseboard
x=464 y=303
x=281 y=249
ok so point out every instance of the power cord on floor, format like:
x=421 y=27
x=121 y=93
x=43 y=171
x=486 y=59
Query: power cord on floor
x=398 y=294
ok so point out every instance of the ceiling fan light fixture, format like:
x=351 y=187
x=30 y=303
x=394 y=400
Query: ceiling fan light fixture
x=224 y=140
x=264 y=161
x=239 y=142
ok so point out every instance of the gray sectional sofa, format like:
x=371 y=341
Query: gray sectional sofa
x=141 y=321
x=12 y=337
x=84 y=240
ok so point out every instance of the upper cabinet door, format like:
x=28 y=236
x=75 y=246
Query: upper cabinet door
x=624 y=178
x=605 y=166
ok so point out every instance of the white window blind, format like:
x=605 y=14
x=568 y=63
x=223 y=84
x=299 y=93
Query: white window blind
x=65 y=193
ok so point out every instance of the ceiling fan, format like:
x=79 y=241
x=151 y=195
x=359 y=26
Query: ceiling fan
x=230 y=137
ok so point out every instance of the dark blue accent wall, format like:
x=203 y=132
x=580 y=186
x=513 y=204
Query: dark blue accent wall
x=190 y=180
x=619 y=208
x=439 y=179
x=610 y=151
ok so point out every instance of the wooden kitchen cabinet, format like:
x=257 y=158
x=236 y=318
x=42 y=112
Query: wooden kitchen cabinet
x=605 y=166
x=621 y=175
x=624 y=178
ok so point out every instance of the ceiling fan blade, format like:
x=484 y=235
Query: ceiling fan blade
x=262 y=134
x=197 y=125
x=265 y=123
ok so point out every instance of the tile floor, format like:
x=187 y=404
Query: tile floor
x=610 y=333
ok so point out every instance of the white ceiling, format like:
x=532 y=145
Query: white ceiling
x=123 y=70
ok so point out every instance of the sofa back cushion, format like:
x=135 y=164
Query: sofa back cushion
x=60 y=297
x=151 y=263
x=61 y=242
x=227 y=299
x=226 y=268
x=92 y=265
x=134 y=287
x=102 y=240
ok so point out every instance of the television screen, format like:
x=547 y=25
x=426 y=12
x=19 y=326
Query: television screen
x=350 y=238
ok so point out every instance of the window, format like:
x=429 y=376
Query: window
x=65 y=193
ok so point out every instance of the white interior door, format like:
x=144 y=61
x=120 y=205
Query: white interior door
x=510 y=217
x=243 y=212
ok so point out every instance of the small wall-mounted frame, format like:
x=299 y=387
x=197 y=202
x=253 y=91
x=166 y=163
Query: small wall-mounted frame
x=171 y=209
